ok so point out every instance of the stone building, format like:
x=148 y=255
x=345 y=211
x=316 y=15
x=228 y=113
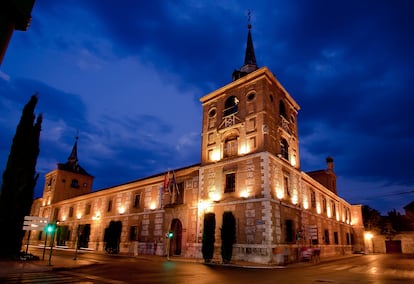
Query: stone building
x=250 y=166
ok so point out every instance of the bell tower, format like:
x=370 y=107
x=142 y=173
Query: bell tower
x=252 y=114
x=68 y=180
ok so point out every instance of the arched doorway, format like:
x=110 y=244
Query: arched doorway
x=175 y=242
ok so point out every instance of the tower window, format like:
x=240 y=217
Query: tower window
x=286 y=185
x=282 y=109
x=212 y=112
x=231 y=105
x=284 y=149
x=230 y=147
x=230 y=183
x=74 y=183
x=251 y=96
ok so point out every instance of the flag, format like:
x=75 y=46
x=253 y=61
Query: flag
x=174 y=183
x=166 y=185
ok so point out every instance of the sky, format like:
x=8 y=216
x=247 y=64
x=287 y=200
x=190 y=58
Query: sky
x=126 y=77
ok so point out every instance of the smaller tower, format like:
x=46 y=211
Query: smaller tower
x=68 y=180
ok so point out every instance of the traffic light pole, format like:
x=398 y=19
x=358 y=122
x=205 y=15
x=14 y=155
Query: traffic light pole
x=28 y=239
x=44 y=247
x=51 y=245
x=168 y=248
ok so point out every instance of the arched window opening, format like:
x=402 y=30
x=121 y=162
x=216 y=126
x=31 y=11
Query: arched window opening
x=284 y=149
x=282 y=109
x=231 y=105
x=74 y=183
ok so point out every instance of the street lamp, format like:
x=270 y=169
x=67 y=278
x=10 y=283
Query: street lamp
x=369 y=240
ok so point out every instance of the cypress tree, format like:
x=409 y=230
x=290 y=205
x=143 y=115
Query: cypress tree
x=19 y=180
x=208 y=236
x=228 y=236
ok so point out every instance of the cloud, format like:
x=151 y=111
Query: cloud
x=129 y=76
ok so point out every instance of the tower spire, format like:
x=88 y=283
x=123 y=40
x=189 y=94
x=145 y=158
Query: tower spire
x=73 y=157
x=249 y=57
x=72 y=164
x=250 y=64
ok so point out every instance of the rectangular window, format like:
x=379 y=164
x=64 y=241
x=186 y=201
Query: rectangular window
x=336 y=239
x=252 y=144
x=133 y=233
x=333 y=208
x=70 y=212
x=326 y=237
x=286 y=185
x=109 y=209
x=289 y=231
x=56 y=214
x=137 y=199
x=230 y=147
x=313 y=199
x=88 y=209
x=230 y=183
x=324 y=205
x=210 y=155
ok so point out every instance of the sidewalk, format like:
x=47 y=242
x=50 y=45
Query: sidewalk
x=27 y=266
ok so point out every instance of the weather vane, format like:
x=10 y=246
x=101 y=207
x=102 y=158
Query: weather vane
x=248 y=19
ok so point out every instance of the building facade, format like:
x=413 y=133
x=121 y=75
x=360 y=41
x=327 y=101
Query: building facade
x=250 y=166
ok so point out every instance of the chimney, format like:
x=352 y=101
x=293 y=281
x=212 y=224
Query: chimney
x=329 y=164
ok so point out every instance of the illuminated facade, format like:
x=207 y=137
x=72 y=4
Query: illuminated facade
x=250 y=166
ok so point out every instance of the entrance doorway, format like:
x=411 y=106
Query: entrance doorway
x=175 y=242
x=83 y=235
x=393 y=246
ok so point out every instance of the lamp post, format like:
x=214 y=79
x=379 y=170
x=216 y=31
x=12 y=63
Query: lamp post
x=369 y=240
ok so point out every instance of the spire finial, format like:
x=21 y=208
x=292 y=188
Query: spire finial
x=249 y=26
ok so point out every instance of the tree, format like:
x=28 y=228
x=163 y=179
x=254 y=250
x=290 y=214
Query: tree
x=208 y=236
x=19 y=180
x=228 y=236
x=371 y=218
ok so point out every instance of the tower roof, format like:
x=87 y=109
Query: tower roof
x=250 y=64
x=72 y=165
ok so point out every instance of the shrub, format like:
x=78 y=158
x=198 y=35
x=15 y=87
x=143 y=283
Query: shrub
x=228 y=236
x=208 y=236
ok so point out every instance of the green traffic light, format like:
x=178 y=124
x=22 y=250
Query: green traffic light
x=50 y=228
x=170 y=235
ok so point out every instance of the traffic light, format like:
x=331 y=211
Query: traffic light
x=50 y=228
x=170 y=234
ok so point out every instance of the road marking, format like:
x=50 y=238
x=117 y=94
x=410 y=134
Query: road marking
x=93 y=277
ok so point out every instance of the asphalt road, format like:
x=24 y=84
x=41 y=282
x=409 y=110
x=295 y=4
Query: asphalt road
x=120 y=270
